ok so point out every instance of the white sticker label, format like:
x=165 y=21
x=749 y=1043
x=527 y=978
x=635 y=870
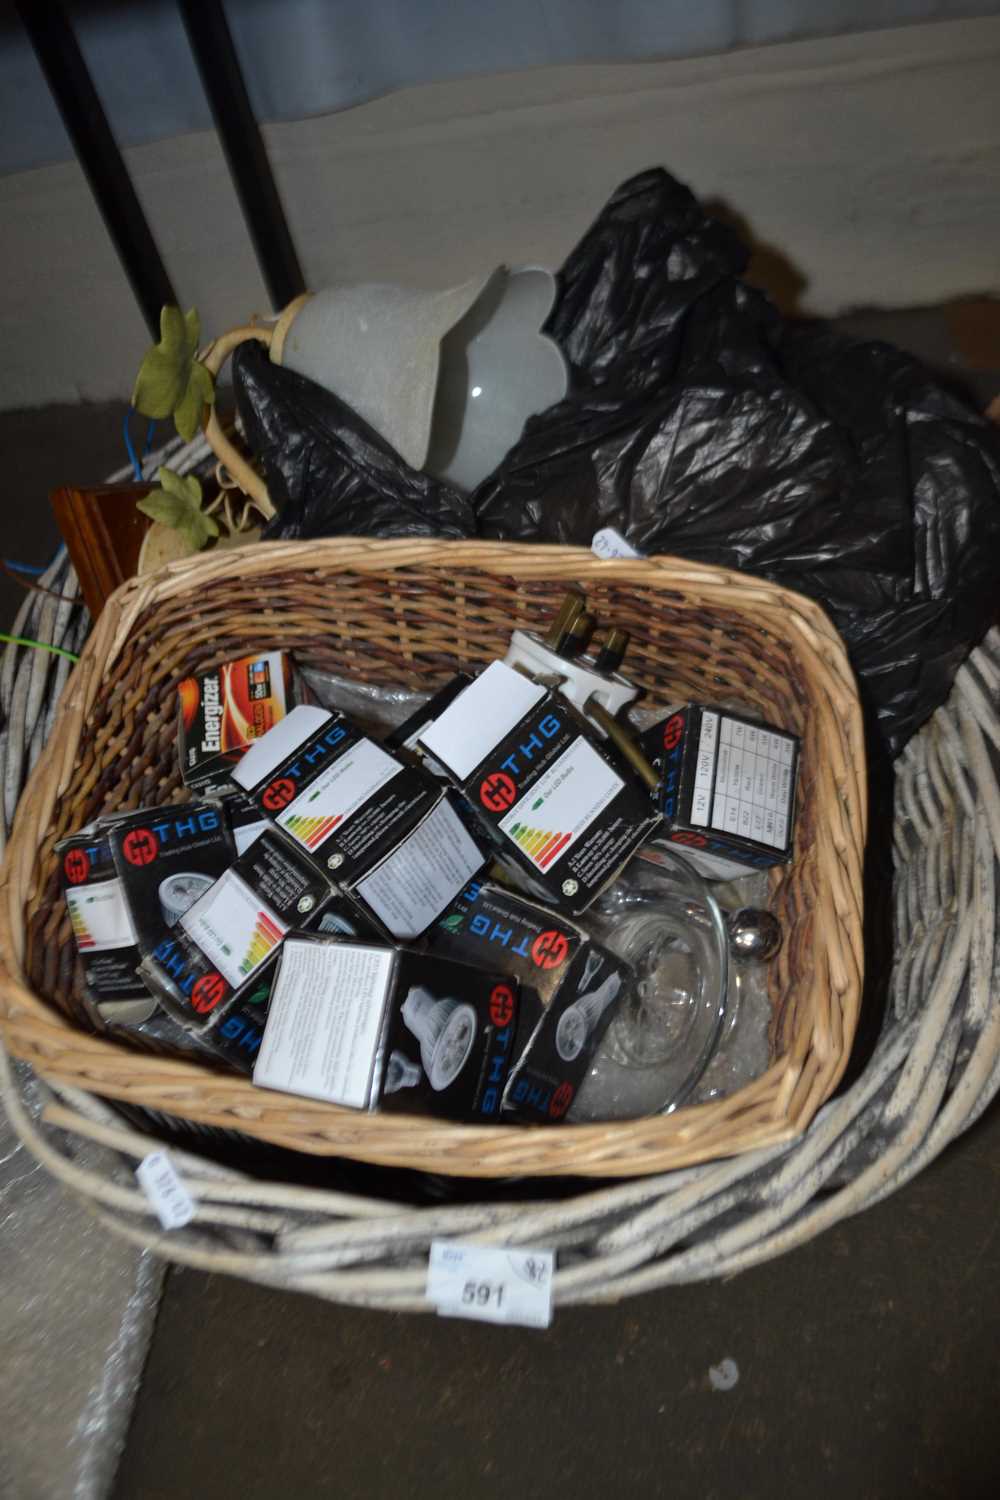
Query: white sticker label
x=338 y=793
x=562 y=804
x=494 y=1286
x=414 y=884
x=248 y=834
x=169 y=1198
x=487 y=710
x=413 y=740
x=233 y=928
x=99 y=917
x=753 y=780
x=610 y=543
x=413 y=744
x=278 y=744
x=324 y=1021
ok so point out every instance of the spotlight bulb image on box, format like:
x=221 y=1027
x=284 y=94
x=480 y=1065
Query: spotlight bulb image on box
x=179 y=892
x=400 y=1073
x=446 y=1031
x=577 y=1023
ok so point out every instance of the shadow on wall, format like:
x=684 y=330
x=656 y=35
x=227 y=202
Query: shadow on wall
x=959 y=341
x=770 y=269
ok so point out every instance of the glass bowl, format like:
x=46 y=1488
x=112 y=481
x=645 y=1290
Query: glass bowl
x=661 y=917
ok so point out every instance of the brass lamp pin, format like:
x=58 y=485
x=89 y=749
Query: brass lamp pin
x=572 y=607
x=620 y=736
x=612 y=653
x=578 y=635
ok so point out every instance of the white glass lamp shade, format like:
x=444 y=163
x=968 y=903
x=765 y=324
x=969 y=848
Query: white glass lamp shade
x=377 y=347
x=497 y=370
x=448 y=378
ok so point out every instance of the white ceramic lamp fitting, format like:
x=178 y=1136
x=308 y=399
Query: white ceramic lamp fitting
x=578 y=680
x=446 y=1031
x=577 y=1022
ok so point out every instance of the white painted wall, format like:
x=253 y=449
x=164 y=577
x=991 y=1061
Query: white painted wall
x=870 y=161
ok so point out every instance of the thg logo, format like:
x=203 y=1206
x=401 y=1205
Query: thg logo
x=140 y=846
x=498 y=792
x=550 y=948
x=282 y=788
x=207 y=992
x=548 y=727
x=278 y=794
x=76 y=866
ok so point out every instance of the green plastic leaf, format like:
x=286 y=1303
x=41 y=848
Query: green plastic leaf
x=171 y=382
x=164 y=373
x=199 y=394
x=178 y=504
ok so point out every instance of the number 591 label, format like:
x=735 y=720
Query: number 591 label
x=496 y=1286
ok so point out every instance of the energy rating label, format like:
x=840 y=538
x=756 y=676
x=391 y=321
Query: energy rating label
x=266 y=935
x=541 y=843
x=310 y=831
x=338 y=792
x=99 y=916
x=744 y=780
x=562 y=804
x=233 y=928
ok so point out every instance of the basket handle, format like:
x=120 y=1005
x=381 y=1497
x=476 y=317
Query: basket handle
x=215 y=357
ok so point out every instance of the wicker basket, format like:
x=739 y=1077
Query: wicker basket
x=411 y=613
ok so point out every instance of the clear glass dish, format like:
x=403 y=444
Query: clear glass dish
x=661 y=917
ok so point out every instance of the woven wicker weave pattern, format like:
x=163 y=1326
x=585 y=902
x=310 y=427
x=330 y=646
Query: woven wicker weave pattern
x=411 y=612
x=935 y=1070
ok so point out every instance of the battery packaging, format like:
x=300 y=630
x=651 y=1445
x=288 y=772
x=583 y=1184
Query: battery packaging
x=382 y=828
x=372 y=1026
x=99 y=915
x=220 y=950
x=561 y=812
x=569 y=985
x=223 y=711
x=726 y=788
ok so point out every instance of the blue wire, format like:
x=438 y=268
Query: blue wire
x=22 y=567
x=149 y=436
x=136 y=465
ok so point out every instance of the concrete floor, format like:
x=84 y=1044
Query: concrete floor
x=867 y=1360
x=867 y=1369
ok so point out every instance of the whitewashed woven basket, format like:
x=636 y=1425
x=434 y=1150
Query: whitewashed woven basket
x=933 y=1070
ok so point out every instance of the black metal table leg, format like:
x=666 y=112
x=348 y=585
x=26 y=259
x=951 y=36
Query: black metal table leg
x=212 y=45
x=66 y=73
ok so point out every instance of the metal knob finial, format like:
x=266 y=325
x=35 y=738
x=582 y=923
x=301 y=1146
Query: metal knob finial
x=754 y=934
